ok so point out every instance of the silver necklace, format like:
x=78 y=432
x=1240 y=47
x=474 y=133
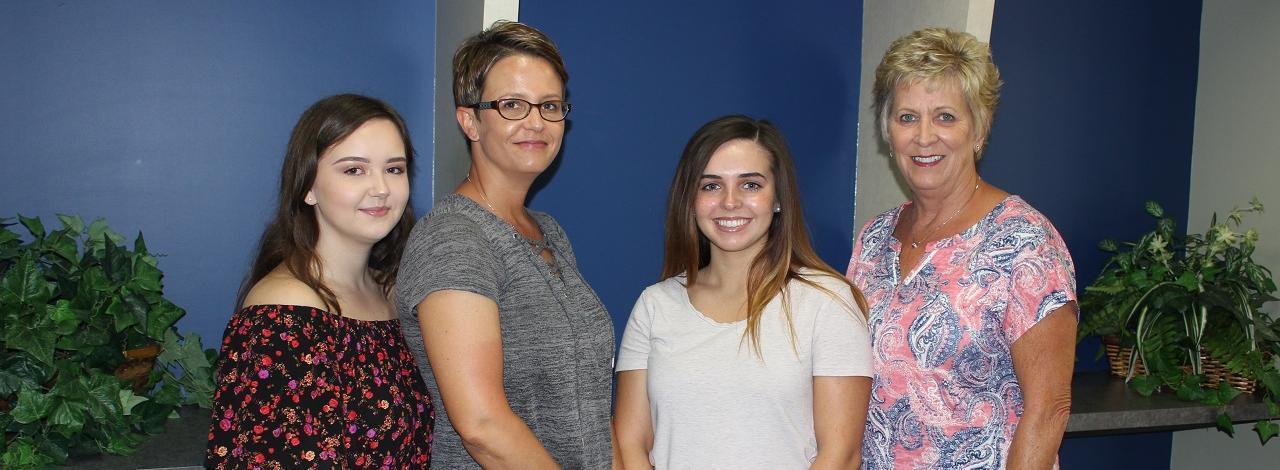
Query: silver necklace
x=916 y=242
x=480 y=189
x=537 y=245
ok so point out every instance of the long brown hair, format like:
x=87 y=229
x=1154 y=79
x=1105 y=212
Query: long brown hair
x=787 y=250
x=290 y=238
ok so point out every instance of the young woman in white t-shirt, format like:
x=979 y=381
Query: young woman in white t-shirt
x=752 y=352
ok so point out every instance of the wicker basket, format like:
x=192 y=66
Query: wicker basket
x=1220 y=373
x=1118 y=358
x=1215 y=372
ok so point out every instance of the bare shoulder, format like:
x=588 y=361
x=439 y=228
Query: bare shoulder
x=281 y=288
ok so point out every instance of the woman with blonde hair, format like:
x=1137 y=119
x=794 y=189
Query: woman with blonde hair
x=971 y=290
x=751 y=352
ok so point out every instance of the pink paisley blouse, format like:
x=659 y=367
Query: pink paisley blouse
x=944 y=393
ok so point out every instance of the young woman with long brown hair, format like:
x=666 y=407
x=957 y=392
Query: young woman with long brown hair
x=751 y=352
x=315 y=372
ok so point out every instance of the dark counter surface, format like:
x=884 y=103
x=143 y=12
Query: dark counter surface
x=1100 y=404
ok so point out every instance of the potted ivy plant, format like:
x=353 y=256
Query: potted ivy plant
x=90 y=360
x=1190 y=308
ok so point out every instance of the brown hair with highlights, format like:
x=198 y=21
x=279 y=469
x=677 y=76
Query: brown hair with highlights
x=787 y=251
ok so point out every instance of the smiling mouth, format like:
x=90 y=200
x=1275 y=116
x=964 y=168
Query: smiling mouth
x=732 y=224
x=376 y=211
x=926 y=159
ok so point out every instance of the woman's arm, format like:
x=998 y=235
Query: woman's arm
x=463 y=340
x=1043 y=359
x=839 y=417
x=632 y=427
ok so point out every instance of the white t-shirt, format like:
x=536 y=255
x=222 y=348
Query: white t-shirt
x=713 y=402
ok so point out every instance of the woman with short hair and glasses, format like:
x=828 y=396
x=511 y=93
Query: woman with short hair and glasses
x=511 y=340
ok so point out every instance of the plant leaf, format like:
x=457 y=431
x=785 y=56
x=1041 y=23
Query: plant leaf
x=67 y=416
x=1145 y=385
x=32 y=405
x=33 y=225
x=72 y=222
x=1266 y=429
x=37 y=340
x=145 y=275
x=1226 y=426
x=24 y=283
x=123 y=318
x=20 y=371
x=161 y=317
x=128 y=400
x=1154 y=209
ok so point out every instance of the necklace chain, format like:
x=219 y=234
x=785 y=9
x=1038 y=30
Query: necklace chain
x=916 y=242
x=480 y=189
x=538 y=245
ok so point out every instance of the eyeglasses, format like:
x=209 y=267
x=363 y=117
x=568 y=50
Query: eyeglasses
x=515 y=109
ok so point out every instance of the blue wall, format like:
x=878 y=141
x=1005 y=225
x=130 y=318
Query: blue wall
x=1096 y=117
x=171 y=117
x=645 y=75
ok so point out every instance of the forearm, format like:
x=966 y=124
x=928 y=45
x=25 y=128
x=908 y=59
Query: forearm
x=850 y=457
x=504 y=442
x=632 y=457
x=1039 y=434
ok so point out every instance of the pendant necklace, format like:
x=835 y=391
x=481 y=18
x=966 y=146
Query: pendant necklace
x=916 y=242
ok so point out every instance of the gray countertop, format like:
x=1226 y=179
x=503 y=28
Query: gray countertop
x=1100 y=404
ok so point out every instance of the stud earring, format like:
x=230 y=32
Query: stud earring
x=777 y=209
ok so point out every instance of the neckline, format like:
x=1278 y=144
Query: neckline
x=681 y=282
x=928 y=250
x=551 y=266
x=928 y=245
x=282 y=307
x=532 y=214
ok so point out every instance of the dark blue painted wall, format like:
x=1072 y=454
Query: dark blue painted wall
x=645 y=75
x=171 y=117
x=1096 y=117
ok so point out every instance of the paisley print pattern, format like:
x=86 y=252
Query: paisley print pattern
x=944 y=393
x=299 y=387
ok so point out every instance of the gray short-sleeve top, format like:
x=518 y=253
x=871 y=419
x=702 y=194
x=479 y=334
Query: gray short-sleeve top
x=557 y=338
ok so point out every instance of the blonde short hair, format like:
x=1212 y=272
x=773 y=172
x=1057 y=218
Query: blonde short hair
x=940 y=54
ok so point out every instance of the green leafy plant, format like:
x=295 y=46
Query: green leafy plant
x=1179 y=299
x=79 y=314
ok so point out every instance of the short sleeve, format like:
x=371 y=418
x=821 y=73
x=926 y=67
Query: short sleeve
x=267 y=403
x=447 y=251
x=1041 y=277
x=841 y=342
x=633 y=353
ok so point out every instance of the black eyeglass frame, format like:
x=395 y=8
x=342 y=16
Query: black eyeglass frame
x=494 y=106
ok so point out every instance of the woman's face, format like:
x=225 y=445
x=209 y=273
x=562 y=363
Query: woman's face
x=362 y=184
x=931 y=132
x=527 y=145
x=735 y=198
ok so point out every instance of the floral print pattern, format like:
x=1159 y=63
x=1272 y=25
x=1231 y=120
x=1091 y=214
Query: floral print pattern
x=299 y=387
x=944 y=393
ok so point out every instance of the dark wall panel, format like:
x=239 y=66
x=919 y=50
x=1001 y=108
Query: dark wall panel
x=645 y=75
x=1096 y=118
x=171 y=118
